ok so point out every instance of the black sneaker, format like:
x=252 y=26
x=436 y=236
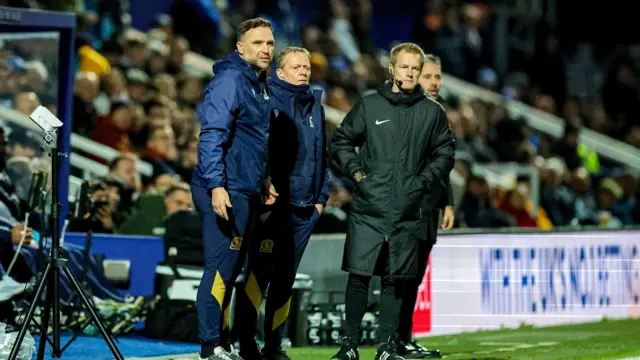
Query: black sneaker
x=427 y=354
x=249 y=350
x=408 y=350
x=277 y=354
x=348 y=351
x=387 y=352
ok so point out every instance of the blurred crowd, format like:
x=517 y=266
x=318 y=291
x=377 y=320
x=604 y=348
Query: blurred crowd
x=134 y=93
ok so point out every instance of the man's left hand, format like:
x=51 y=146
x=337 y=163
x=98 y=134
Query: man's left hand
x=270 y=193
x=448 y=218
x=320 y=208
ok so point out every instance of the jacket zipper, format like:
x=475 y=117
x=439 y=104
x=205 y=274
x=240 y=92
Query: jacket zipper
x=315 y=157
x=386 y=237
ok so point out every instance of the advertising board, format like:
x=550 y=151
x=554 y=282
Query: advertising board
x=505 y=280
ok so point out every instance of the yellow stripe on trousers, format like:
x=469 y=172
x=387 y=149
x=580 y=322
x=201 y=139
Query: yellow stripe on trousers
x=218 y=289
x=253 y=291
x=281 y=315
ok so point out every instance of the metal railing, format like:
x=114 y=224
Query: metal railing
x=90 y=168
x=546 y=123
x=74 y=188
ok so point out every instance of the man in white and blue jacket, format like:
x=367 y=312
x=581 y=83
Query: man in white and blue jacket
x=298 y=169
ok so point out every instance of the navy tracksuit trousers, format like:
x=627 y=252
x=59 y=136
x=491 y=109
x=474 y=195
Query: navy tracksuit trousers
x=273 y=262
x=225 y=244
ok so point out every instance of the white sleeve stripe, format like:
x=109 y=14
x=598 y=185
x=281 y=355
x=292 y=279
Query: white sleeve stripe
x=435 y=101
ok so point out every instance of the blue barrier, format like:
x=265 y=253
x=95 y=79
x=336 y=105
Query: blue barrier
x=144 y=252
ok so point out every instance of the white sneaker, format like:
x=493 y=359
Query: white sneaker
x=220 y=354
x=234 y=353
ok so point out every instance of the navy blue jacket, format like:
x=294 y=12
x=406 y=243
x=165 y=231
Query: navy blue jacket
x=297 y=146
x=234 y=133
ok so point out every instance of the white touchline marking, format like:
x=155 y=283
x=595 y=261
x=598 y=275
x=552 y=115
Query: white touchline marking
x=512 y=347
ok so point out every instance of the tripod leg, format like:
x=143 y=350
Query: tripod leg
x=96 y=317
x=32 y=309
x=44 y=332
x=56 y=313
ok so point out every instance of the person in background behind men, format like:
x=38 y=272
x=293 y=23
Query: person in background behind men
x=26 y=102
x=123 y=168
x=431 y=76
x=152 y=210
x=160 y=151
x=101 y=218
x=230 y=175
x=297 y=145
x=11 y=219
x=431 y=82
x=406 y=154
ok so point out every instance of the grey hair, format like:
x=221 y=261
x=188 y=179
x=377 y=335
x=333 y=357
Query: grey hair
x=290 y=50
x=432 y=59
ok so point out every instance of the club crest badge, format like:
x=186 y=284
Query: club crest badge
x=266 y=246
x=236 y=243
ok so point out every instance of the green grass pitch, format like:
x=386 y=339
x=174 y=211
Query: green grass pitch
x=602 y=340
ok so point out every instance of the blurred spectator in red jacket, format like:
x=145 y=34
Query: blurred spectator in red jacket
x=113 y=130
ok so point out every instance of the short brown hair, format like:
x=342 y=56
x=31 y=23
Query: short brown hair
x=252 y=24
x=120 y=158
x=291 y=50
x=408 y=47
x=432 y=59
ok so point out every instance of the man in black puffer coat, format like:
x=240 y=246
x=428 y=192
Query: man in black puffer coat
x=406 y=151
x=431 y=82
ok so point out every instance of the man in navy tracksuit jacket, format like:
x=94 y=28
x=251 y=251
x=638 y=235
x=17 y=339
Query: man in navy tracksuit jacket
x=298 y=169
x=229 y=177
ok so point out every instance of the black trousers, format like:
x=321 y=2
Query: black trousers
x=405 y=322
x=357 y=295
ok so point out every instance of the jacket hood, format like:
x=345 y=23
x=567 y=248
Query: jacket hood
x=401 y=98
x=301 y=92
x=234 y=61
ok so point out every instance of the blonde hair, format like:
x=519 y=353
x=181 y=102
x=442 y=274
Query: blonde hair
x=407 y=47
x=291 y=50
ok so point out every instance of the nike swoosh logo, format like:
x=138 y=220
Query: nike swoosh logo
x=378 y=122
